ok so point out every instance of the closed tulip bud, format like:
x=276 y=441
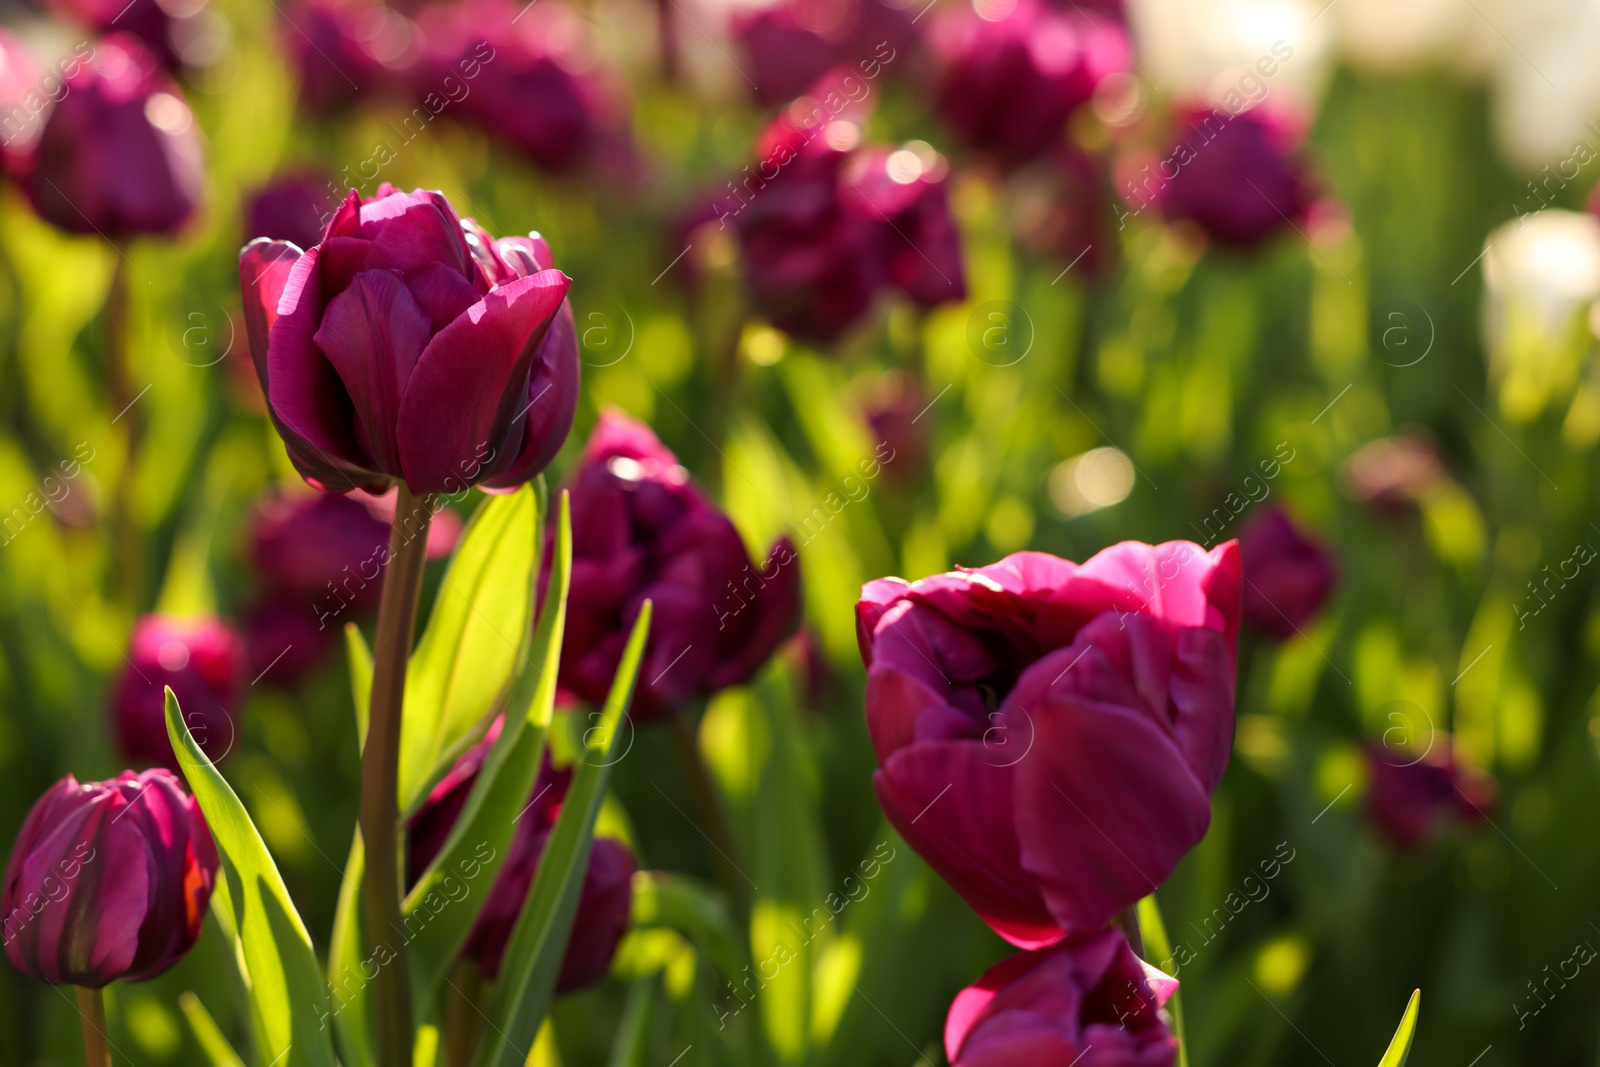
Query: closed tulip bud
x=641 y=530
x=1013 y=72
x=313 y=546
x=411 y=346
x=1051 y=1008
x=1049 y=733
x=606 y=896
x=107 y=881
x=285 y=640
x=1413 y=798
x=1287 y=573
x=1236 y=176
x=292 y=207
x=202 y=661
x=119 y=153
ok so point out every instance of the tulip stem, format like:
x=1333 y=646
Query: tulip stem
x=127 y=557
x=380 y=773
x=1128 y=920
x=462 y=1014
x=703 y=794
x=92 y=1009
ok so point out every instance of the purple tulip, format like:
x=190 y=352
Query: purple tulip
x=894 y=406
x=1013 y=71
x=524 y=74
x=293 y=207
x=203 y=662
x=641 y=530
x=119 y=153
x=411 y=346
x=151 y=21
x=1088 y=1000
x=605 y=899
x=793 y=43
x=1061 y=206
x=309 y=546
x=25 y=93
x=1235 y=175
x=1049 y=733
x=107 y=881
x=285 y=642
x=1393 y=475
x=899 y=196
x=1413 y=798
x=1287 y=573
x=346 y=50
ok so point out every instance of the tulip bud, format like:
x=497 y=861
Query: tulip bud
x=793 y=43
x=1541 y=276
x=412 y=346
x=1050 y=1008
x=1049 y=733
x=1413 y=798
x=107 y=881
x=203 y=663
x=604 y=901
x=345 y=50
x=641 y=530
x=119 y=153
x=1287 y=574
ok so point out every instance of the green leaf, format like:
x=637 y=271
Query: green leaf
x=1158 y=953
x=346 y=953
x=680 y=903
x=440 y=910
x=360 y=678
x=476 y=632
x=533 y=958
x=206 y=1033
x=632 y=1046
x=1400 y=1046
x=288 y=1000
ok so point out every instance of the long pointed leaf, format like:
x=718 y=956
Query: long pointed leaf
x=533 y=959
x=288 y=1000
x=440 y=910
x=1400 y=1045
x=1158 y=948
x=345 y=954
x=207 y=1034
x=360 y=678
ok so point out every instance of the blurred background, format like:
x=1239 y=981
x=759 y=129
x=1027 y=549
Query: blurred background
x=1058 y=274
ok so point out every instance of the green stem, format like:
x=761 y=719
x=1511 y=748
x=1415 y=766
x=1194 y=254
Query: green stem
x=462 y=1016
x=92 y=1009
x=708 y=804
x=127 y=557
x=381 y=886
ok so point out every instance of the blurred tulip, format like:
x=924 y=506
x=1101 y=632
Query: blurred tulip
x=607 y=892
x=1060 y=206
x=153 y=22
x=893 y=406
x=203 y=662
x=1234 y=175
x=119 y=153
x=1079 y=717
x=1393 y=474
x=25 y=94
x=107 y=881
x=305 y=546
x=1541 y=276
x=346 y=50
x=1412 y=798
x=907 y=215
x=792 y=43
x=1013 y=71
x=293 y=207
x=410 y=345
x=1287 y=573
x=285 y=641
x=524 y=73
x=641 y=530
x=1089 y=999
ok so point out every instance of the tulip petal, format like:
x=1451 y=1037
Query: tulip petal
x=552 y=402
x=1202 y=701
x=410 y=229
x=777 y=615
x=263 y=272
x=464 y=393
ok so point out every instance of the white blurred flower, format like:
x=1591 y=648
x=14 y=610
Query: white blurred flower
x=1547 y=77
x=1541 y=275
x=1208 y=48
x=1385 y=35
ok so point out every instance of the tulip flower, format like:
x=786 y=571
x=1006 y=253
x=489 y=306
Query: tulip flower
x=203 y=662
x=1394 y=474
x=1236 y=176
x=25 y=94
x=1049 y=733
x=292 y=207
x=1013 y=72
x=153 y=22
x=792 y=44
x=607 y=892
x=346 y=50
x=119 y=153
x=411 y=346
x=1060 y=207
x=1088 y=1000
x=107 y=881
x=1413 y=798
x=1287 y=573
x=641 y=530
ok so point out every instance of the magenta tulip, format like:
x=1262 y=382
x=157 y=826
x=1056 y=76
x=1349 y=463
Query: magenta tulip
x=1236 y=176
x=604 y=900
x=1088 y=1001
x=1288 y=573
x=154 y=22
x=1013 y=72
x=202 y=660
x=642 y=530
x=318 y=547
x=1414 y=798
x=346 y=50
x=107 y=880
x=411 y=346
x=293 y=207
x=793 y=43
x=1049 y=733
x=26 y=93
x=119 y=153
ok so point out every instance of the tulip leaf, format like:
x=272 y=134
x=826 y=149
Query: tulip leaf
x=632 y=1045
x=679 y=903
x=288 y=1000
x=346 y=953
x=440 y=910
x=360 y=677
x=1400 y=1046
x=475 y=635
x=538 y=944
x=207 y=1034
x=1158 y=953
